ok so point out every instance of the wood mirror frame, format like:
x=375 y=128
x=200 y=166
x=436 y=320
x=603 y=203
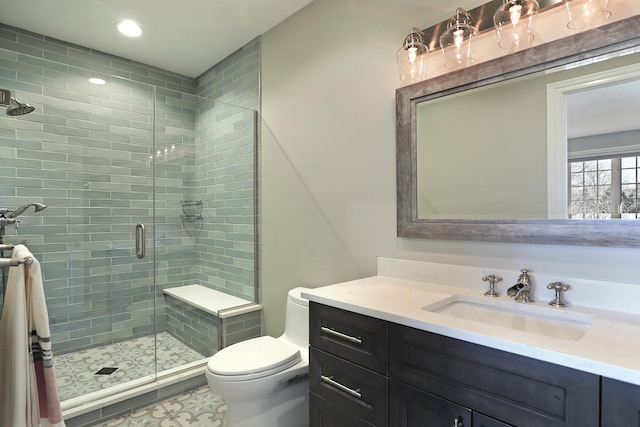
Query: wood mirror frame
x=599 y=41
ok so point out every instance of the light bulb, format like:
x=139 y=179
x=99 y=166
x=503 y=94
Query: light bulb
x=514 y=13
x=413 y=54
x=458 y=38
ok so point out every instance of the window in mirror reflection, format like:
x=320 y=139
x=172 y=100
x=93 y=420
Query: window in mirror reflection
x=605 y=188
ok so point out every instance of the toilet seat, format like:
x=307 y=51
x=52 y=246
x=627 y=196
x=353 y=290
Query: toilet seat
x=254 y=358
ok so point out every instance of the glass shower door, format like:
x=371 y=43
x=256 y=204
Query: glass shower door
x=101 y=295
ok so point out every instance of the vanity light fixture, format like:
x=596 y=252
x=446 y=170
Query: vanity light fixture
x=455 y=41
x=586 y=13
x=411 y=57
x=514 y=22
x=129 y=28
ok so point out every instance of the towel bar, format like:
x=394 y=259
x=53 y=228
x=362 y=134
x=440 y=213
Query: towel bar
x=8 y=262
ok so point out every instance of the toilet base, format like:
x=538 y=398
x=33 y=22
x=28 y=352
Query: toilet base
x=286 y=407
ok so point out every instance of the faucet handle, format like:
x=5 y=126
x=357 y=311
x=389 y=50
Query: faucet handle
x=492 y=279
x=559 y=287
x=524 y=277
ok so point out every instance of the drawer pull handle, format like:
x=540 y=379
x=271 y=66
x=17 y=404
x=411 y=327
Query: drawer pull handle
x=330 y=381
x=356 y=340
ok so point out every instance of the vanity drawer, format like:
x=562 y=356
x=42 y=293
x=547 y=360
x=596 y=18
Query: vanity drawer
x=512 y=388
x=480 y=420
x=354 y=389
x=360 y=339
x=325 y=414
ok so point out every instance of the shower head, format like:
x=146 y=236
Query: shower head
x=17 y=108
x=21 y=209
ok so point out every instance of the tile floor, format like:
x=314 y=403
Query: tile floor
x=76 y=372
x=198 y=408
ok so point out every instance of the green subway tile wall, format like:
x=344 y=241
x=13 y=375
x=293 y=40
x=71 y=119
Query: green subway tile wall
x=89 y=152
x=225 y=173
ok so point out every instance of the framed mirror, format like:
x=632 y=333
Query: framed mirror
x=514 y=194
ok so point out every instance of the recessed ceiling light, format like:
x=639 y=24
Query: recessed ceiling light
x=96 y=81
x=129 y=28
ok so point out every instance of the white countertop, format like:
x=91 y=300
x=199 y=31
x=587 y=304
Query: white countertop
x=610 y=346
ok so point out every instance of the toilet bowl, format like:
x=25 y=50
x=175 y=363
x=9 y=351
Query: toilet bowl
x=265 y=380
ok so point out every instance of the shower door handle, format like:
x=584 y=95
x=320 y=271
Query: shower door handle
x=141 y=241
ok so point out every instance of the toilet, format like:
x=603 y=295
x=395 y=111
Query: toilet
x=265 y=380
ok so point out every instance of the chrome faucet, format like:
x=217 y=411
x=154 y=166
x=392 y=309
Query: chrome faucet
x=521 y=291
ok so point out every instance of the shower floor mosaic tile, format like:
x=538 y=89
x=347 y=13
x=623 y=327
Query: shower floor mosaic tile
x=198 y=408
x=76 y=372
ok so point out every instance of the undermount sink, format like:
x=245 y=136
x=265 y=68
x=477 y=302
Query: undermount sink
x=545 y=321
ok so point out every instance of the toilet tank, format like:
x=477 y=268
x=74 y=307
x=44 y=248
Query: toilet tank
x=296 y=327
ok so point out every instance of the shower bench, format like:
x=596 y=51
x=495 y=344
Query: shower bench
x=208 y=320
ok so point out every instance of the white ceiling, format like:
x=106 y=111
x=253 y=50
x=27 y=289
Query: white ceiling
x=183 y=36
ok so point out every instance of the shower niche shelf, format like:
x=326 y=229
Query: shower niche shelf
x=192 y=210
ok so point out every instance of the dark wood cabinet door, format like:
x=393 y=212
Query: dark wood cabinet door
x=518 y=390
x=410 y=407
x=620 y=404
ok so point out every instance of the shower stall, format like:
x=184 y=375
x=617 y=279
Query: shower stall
x=121 y=168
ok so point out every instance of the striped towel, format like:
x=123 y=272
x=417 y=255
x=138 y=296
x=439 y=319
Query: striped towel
x=28 y=390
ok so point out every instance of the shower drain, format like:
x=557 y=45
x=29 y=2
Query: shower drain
x=106 y=371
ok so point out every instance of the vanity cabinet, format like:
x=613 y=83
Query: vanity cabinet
x=620 y=403
x=367 y=372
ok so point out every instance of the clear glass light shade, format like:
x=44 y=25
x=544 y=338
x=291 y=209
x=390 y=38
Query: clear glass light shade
x=587 y=13
x=412 y=58
x=455 y=42
x=514 y=23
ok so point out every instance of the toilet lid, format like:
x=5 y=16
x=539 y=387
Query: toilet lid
x=253 y=356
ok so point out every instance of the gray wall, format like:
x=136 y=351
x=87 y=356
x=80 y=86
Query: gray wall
x=86 y=152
